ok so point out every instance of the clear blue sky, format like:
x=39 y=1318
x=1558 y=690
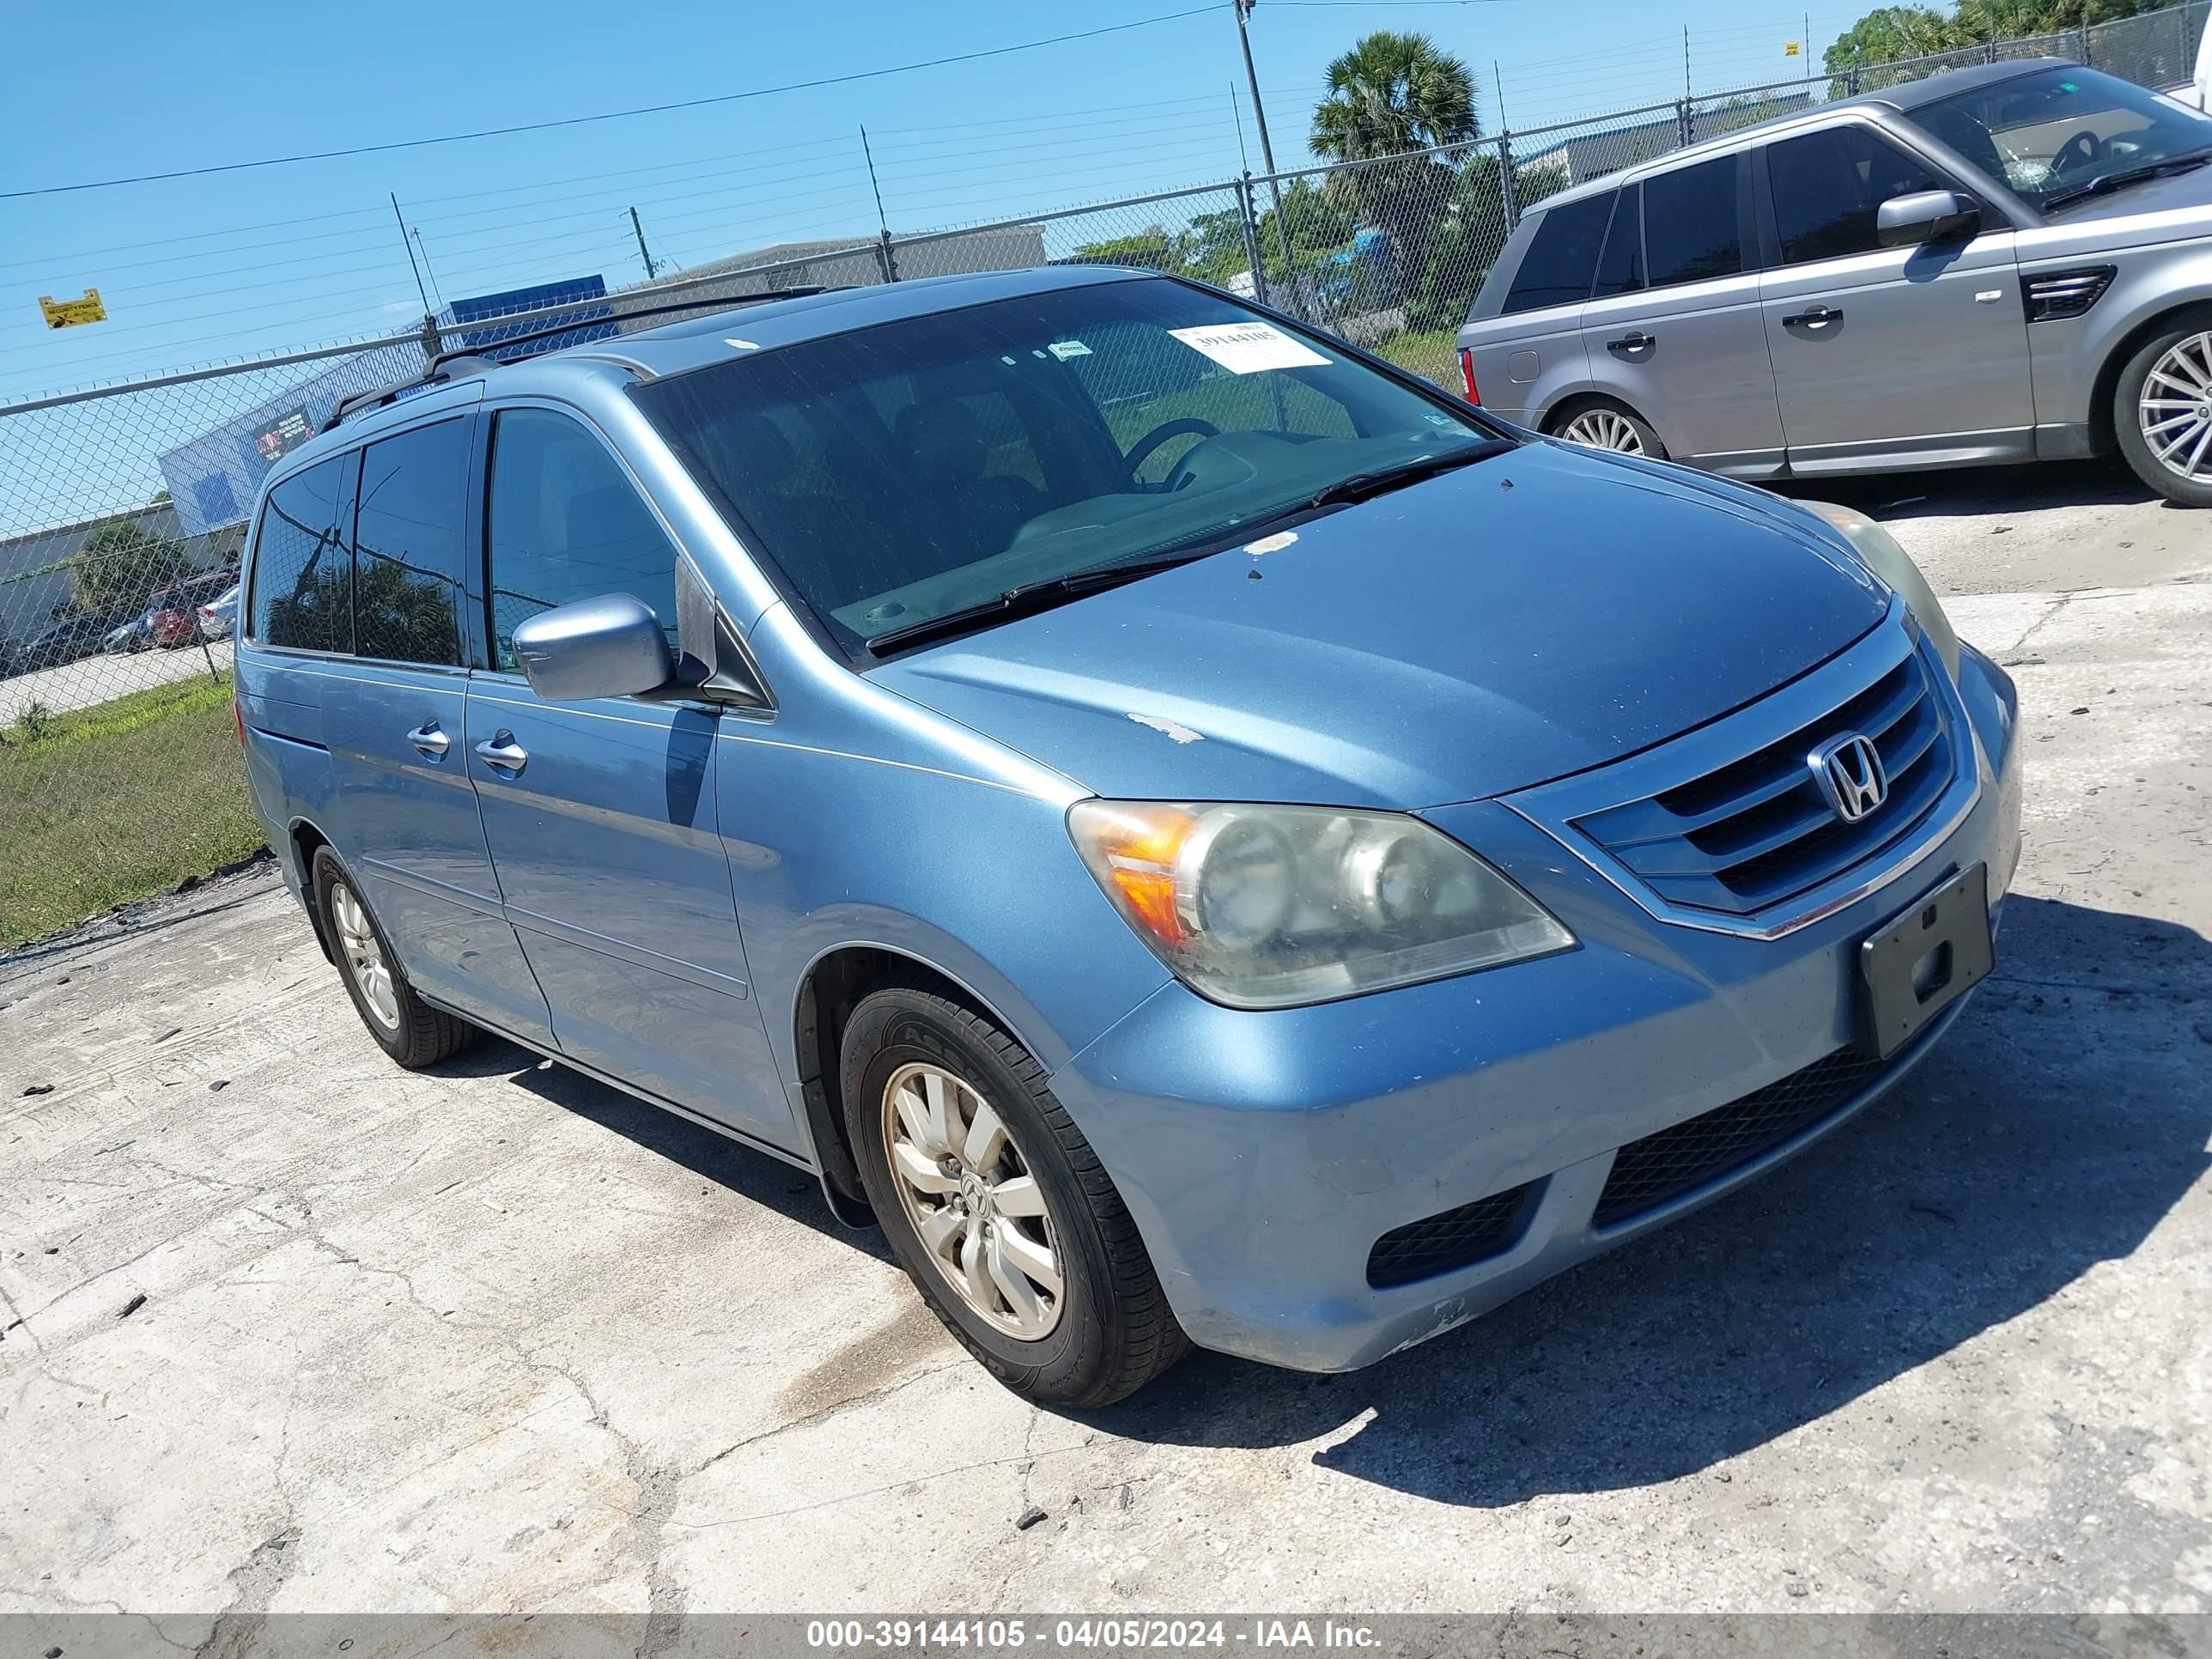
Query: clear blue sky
x=199 y=269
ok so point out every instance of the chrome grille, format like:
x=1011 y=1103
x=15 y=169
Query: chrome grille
x=1757 y=830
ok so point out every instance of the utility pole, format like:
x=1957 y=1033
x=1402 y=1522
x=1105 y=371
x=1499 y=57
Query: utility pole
x=643 y=252
x=1686 y=90
x=1243 y=9
x=405 y=241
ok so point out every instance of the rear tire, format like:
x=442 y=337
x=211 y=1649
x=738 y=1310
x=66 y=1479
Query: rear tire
x=2162 y=410
x=1601 y=423
x=404 y=1026
x=1053 y=1293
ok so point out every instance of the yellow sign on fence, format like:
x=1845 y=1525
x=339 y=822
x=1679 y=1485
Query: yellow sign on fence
x=1789 y=51
x=68 y=313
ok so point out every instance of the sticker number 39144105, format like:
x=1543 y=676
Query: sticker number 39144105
x=1247 y=348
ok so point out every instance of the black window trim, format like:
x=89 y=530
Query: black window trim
x=727 y=633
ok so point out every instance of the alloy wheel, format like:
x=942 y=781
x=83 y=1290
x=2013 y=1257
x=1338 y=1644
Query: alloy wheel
x=2175 y=408
x=1604 y=429
x=364 y=956
x=972 y=1201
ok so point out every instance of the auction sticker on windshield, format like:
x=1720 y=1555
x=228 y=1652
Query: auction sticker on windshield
x=1247 y=348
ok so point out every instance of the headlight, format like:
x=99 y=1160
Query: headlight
x=1271 y=906
x=1879 y=550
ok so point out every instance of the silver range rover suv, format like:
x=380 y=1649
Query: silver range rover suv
x=2011 y=263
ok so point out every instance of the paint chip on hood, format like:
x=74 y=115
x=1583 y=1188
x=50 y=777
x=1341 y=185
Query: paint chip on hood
x=1175 y=733
x=1274 y=544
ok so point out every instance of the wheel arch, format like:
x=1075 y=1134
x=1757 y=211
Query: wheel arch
x=302 y=839
x=1575 y=402
x=2104 y=435
x=830 y=988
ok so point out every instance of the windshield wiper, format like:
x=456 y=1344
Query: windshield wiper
x=2111 y=182
x=1365 y=486
x=1029 y=597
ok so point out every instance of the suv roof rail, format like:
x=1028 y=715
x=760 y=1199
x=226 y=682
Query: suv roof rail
x=465 y=361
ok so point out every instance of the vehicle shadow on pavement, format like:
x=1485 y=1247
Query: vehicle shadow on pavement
x=731 y=1165
x=1972 y=491
x=2062 y=1117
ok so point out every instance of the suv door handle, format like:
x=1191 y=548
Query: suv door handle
x=1635 y=340
x=502 y=752
x=1818 y=317
x=430 y=740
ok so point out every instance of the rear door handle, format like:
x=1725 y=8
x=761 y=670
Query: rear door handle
x=502 y=752
x=1634 y=340
x=1818 y=317
x=430 y=740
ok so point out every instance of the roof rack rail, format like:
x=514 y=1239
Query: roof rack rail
x=464 y=360
x=725 y=302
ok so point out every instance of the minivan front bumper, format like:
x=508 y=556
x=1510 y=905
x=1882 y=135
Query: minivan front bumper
x=1263 y=1155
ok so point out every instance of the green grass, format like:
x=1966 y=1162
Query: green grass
x=116 y=802
x=1432 y=356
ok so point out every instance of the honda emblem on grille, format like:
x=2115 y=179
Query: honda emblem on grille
x=1850 y=772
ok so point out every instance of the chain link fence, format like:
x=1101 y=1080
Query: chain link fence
x=123 y=508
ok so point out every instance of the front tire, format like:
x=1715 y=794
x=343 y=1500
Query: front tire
x=404 y=1026
x=996 y=1205
x=2162 y=412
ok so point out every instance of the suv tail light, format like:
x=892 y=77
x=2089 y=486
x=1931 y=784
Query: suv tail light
x=2055 y=294
x=1467 y=373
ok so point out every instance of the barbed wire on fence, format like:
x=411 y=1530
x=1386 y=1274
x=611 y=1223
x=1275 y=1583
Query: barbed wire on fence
x=123 y=506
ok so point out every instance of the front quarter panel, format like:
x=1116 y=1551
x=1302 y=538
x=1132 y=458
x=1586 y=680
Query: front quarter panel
x=2163 y=262
x=856 y=818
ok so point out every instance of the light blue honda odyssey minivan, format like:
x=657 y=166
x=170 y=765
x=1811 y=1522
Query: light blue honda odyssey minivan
x=1201 y=836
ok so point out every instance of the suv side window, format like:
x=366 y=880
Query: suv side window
x=562 y=523
x=1827 y=186
x=1691 y=232
x=302 y=575
x=1562 y=257
x=408 y=541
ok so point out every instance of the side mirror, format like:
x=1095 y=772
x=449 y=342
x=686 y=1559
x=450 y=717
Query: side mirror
x=1926 y=216
x=608 y=647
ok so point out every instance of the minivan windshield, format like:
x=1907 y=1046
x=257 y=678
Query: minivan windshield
x=2063 y=135
x=921 y=477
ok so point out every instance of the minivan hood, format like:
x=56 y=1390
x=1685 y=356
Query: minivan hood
x=1542 y=611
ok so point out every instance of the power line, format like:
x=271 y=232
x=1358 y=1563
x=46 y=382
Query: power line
x=608 y=115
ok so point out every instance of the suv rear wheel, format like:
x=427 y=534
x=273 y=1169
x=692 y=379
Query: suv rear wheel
x=1601 y=423
x=996 y=1205
x=2162 y=412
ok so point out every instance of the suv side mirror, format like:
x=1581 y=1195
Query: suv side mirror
x=608 y=647
x=1926 y=216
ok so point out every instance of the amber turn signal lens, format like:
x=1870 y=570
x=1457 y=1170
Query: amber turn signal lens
x=1140 y=844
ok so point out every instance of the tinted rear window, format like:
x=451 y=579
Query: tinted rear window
x=1562 y=258
x=408 y=543
x=1690 y=231
x=302 y=576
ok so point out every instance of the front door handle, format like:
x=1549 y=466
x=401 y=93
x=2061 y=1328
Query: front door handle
x=1818 y=317
x=502 y=752
x=430 y=740
x=1634 y=340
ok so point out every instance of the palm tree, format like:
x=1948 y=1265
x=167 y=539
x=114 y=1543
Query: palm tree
x=1393 y=93
x=1390 y=94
